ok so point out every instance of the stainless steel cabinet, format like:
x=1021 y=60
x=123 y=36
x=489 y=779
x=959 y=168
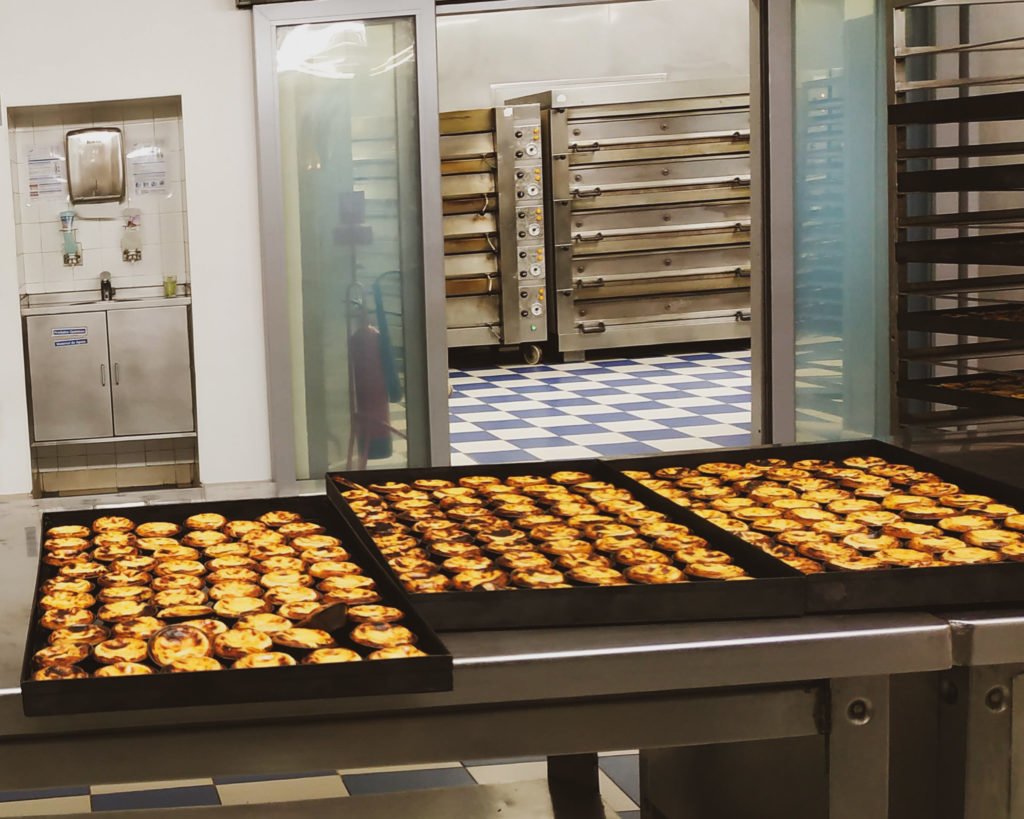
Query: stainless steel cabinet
x=70 y=374
x=110 y=373
x=151 y=370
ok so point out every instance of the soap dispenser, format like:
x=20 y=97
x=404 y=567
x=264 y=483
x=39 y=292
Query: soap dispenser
x=69 y=234
x=131 y=240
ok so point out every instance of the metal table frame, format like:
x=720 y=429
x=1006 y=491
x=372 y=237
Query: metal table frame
x=550 y=692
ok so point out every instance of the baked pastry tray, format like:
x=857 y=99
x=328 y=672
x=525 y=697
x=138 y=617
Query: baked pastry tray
x=232 y=686
x=896 y=588
x=989 y=321
x=943 y=391
x=775 y=591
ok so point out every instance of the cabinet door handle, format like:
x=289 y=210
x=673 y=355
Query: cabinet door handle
x=117 y=374
x=103 y=375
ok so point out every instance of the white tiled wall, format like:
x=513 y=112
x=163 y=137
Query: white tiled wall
x=145 y=124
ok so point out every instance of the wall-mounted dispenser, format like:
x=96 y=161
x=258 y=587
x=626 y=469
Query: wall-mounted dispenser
x=95 y=158
x=131 y=240
x=69 y=234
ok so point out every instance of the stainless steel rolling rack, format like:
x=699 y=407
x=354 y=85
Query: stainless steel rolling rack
x=492 y=190
x=956 y=222
x=649 y=213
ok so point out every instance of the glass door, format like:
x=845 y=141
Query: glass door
x=352 y=265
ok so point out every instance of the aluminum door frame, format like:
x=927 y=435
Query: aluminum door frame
x=427 y=413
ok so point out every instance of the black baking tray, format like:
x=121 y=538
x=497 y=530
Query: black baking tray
x=937 y=390
x=835 y=591
x=777 y=590
x=299 y=682
x=970 y=321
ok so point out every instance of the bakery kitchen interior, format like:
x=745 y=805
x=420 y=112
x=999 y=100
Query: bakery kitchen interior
x=641 y=379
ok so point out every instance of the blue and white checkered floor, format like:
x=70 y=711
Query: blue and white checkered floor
x=619 y=781
x=600 y=408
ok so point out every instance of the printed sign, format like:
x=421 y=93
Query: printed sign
x=70 y=342
x=70 y=331
x=148 y=169
x=46 y=176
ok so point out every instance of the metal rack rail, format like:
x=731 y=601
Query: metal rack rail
x=956 y=149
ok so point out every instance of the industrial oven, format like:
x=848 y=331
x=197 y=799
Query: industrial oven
x=648 y=201
x=492 y=187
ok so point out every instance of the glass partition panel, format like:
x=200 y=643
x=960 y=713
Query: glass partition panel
x=352 y=234
x=840 y=220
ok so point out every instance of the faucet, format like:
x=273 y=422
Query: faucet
x=107 y=291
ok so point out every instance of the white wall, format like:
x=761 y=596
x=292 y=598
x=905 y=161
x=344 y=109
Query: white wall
x=53 y=52
x=653 y=39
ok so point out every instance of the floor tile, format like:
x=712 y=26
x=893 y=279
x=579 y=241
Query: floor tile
x=503 y=774
x=46 y=807
x=403 y=768
x=406 y=780
x=492 y=445
x=282 y=790
x=505 y=760
x=163 y=798
x=42 y=793
x=611 y=407
x=615 y=797
x=131 y=787
x=625 y=772
x=236 y=780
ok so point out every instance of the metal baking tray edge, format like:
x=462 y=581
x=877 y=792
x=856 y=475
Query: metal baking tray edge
x=778 y=592
x=228 y=687
x=937 y=588
x=932 y=389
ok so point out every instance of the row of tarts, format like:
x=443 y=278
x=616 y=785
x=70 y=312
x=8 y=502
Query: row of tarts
x=128 y=599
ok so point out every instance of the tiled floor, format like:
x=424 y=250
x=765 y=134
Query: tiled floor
x=620 y=787
x=600 y=408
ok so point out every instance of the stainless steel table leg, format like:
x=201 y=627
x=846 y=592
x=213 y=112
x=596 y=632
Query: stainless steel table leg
x=858 y=748
x=981 y=775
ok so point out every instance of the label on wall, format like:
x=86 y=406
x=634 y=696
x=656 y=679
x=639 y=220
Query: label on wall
x=46 y=176
x=69 y=331
x=148 y=168
x=70 y=342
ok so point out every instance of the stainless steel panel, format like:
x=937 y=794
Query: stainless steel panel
x=521 y=185
x=664 y=283
x=467 y=184
x=151 y=363
x=469 y=225
x=650 y=307
x=707 y=234
x=643 y=174
x=675 y=330
x=95 y=158
x=475 y=311
x=642 y=220
x=69 y=374
x=470 y=264
x=467 y=146
x=607 y=132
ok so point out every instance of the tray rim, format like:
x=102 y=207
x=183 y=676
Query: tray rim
x=788 y=579
x=436 y=671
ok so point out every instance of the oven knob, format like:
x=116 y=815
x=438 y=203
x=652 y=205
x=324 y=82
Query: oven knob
x=525 y=313
x=536 y=270
x=536 y=309
x=534 y=230
x=531 y=150
x=532 y=190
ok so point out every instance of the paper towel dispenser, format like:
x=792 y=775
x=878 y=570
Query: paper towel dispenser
x=95 y=165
